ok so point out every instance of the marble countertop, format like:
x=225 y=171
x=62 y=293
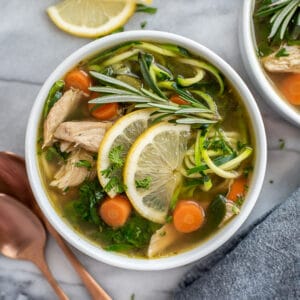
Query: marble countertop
x=31 y=47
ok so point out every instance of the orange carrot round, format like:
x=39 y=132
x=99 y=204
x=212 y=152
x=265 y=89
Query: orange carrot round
x=290 y=87
x=115 y=211
x=104 y=111
x=78 y=79
x=178 y=100
x=237 y=189
x=188 y=216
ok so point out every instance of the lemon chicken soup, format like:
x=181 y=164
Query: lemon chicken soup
x=145 y=149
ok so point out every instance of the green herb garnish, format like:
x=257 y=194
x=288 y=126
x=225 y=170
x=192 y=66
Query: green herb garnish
x=282 y=52
x=283 y=14
x=146 y=9
x=143 y=24
x=54 y=95
x=115 y=156
x=54 y=152
x=281 y=144
x=135 y=234
x=143 y=183
x=83 y=163
x=115 y=184
x=247 y=171
x=86 y=207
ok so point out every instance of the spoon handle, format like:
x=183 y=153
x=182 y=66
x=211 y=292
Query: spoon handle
x=40 y=262
x=96 y=292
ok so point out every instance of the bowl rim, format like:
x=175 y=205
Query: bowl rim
x=120 y=260
x=255 y=69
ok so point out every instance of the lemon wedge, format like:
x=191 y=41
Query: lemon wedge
x=122 y=134
x=91 y=18
x=156 y=157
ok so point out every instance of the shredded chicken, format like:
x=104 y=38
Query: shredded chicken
x=84 y=134
x=66 y=147
x=283 y=64
x=70 y=175
x=162 y=239
x=231 y=210
x=59 y=112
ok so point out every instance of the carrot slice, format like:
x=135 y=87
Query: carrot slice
x=290 y=87
x=78 y=79
x=237 y=189
x=115 y=211
x=104 y=111
x=188 y=216
x=178 y=100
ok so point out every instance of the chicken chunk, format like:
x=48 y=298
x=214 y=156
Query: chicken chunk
x=162 y=239
x=66 y=147
x=70 y=175
x=284 y=64
x=84 y=134
x=59 y=112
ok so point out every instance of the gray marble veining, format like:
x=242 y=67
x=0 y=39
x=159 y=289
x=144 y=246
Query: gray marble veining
x=31 y=47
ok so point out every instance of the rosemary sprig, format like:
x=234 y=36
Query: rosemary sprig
x=283 y=15
x=118 y=91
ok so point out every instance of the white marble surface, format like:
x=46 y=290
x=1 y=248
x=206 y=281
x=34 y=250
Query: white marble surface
x=31 y=47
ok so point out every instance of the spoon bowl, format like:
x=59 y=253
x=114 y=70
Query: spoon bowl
x=14 y=181
x=22 y=236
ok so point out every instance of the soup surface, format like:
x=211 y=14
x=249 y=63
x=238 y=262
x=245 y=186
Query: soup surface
x=145 y=149
x=278 y=45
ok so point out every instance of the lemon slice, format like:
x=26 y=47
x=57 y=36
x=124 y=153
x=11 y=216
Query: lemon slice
x=123 y=133
x=91 y=18
x=157 y=156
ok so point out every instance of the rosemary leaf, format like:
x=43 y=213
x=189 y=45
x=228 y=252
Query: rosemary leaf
x=114 y=81
x=194 y=121
x=109 y=90
x=120 y=98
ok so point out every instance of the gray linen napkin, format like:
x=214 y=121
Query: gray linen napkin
x=262 y=263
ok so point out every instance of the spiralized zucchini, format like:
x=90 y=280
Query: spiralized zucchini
x=214 y=153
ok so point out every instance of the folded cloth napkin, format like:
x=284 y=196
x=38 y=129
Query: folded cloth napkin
x=262 y=263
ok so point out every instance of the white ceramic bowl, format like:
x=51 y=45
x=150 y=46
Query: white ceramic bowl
x=255 y=69
x=120 y=260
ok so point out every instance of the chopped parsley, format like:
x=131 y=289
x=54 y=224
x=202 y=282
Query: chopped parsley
x=247 y=170
x=120 y=29
x=146 y=9
x=83 y=164
x=115 y=184
x=281 y=144
x=85 y=208
x=143 y=183
x=115 y=156
x=135 y=234
x=143 y=24
x=163 y=233
x=282 y=52
x=240 y=200
x=169 y=219
x=54 y=152
x=113 y=172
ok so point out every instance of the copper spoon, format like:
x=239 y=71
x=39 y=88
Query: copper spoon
x=22 y=236
x=14 y=181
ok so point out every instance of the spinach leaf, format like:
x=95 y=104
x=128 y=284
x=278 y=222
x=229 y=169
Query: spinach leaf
x=86 y=207
x=135 y=234
x=54 y=152
x=53 y=96
x=146 y=9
